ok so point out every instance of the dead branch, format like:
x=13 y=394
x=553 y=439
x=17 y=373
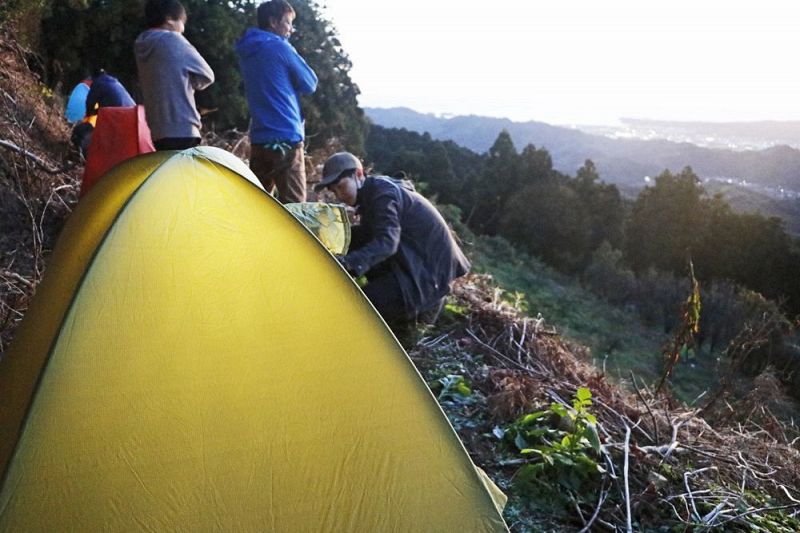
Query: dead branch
x=41 y=163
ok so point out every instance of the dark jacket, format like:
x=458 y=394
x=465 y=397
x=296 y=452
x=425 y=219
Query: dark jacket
x=402 y=232
x=107 y=91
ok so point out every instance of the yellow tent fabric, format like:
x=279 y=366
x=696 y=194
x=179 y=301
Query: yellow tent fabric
x=195 y=360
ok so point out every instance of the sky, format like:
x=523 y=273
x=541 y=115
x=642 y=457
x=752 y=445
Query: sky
x=576 y=61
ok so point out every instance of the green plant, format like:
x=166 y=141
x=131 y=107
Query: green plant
x=562 y=443
x=689 y=326
x=450 y=387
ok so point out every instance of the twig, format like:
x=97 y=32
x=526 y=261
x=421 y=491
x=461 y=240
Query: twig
x=499 y=354
x=759 y=510
x=239 y=142
x=629 y=523
x=624 y=419
x=689 y=489
x=16 y=277
x=522 y=337
x=709 y=454
x=600 y=501
x=788 y=495
x=41 y=163
x=578 y=508
x=646 y=405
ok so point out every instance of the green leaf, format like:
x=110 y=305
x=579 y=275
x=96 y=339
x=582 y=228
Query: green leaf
x=594 y=438
x=563 y=459
x=527 y=419
x=583 y=394
x=528 y=451
x=520 y=442
x=463 y=389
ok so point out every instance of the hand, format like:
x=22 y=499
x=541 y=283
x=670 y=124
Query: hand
x=343 y=261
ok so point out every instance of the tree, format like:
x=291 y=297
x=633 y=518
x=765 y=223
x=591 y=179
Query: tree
x=608 y=277
x=536 y=164
x=602 y=206
x=667 y=223
x=78 y=37
x=332 y=112
x=438 y=171
x=498 y=182
x=547 y=219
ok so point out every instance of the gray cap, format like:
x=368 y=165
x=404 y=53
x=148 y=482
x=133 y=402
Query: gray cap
x=337 y=164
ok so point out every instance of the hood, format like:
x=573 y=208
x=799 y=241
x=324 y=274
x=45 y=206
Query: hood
x=147 y=42
x=105 y=78
x=254 y=39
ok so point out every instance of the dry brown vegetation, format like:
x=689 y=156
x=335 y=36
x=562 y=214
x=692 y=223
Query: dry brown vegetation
x=667 y=465
x=38 y=180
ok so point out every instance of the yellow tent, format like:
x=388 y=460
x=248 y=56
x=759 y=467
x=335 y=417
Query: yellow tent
x=195 y=360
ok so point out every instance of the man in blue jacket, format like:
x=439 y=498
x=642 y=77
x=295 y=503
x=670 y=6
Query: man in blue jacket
x=274 y=78
x=402 y=245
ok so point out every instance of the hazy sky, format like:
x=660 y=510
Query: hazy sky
x=576 y=61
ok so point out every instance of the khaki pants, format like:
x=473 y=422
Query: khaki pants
x=286 y=171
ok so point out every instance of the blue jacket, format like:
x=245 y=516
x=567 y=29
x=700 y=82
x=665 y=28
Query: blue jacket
x=274 y=78
x=107 y=91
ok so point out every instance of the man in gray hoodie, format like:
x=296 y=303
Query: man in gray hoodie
x=170 y=71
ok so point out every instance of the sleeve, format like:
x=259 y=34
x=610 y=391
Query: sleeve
x=200 y=73
x=304 y=79
x=386 y=232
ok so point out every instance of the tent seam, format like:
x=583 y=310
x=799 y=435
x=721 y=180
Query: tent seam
x=76 y=291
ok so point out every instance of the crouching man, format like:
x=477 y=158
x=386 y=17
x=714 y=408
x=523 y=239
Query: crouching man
x=402 y=244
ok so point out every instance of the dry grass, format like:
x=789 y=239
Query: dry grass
x=38 y=182
x=687 y=470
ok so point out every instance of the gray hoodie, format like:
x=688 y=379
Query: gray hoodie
x=170 y=70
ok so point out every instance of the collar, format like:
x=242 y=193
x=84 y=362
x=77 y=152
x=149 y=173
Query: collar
x=361 y=192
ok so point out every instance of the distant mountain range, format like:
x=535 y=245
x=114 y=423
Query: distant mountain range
x=626 y=161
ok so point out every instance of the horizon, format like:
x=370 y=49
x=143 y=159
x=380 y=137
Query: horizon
x=577 y=62
x=621 y=120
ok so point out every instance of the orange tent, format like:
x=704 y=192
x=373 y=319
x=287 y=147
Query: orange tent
x=120 y=133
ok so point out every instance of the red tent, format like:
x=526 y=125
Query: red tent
x=120 y=133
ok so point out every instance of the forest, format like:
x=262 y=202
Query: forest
x=633 y=253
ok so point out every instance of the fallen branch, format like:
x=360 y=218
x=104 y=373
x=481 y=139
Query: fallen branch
x=646 y=405
x=629 y=522
x=600 y=501
x=41 y=163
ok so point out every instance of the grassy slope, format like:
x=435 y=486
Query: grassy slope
x=617 y=340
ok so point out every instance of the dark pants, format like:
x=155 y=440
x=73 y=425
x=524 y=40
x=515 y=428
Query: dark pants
x=284 y=170
x=385 y=294
x=176 y=143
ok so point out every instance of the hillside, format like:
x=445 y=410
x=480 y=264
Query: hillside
x=745 y=200
x=38 y=180
x=621 y=161
x=574 y=450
